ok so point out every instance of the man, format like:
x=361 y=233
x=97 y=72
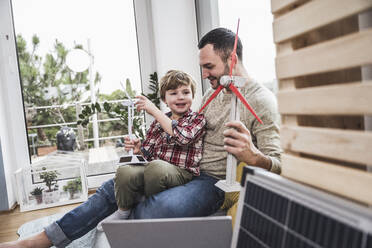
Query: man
x=258 y=145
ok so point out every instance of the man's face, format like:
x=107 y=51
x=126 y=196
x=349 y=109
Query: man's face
x=212 y=65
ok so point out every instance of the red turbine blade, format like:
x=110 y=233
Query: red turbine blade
x=239 y=95
x=233 y=54
x=220 y=87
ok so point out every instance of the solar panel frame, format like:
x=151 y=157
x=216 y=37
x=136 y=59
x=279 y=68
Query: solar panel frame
x=297 y=212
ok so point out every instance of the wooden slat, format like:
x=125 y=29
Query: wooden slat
x=278 y=5
x=346 y=52
x=351 y=183
x=315 y=14
x=346 y=99
x=348 y=145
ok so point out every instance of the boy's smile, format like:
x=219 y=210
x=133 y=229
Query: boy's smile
x=179 y=100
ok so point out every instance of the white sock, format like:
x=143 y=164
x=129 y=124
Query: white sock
x=122 y=214
x=117 y=215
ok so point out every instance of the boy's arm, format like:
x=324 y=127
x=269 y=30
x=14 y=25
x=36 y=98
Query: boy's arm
x=147 y=146
x=164 y=121
x=193 y=130
x=145 y=104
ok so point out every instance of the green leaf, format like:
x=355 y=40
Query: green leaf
x=107 y=106
x=88 y=110
x=85 y=122
x=117 y=109
x=98 y=107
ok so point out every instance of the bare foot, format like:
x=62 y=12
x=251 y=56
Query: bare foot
x=14 y=244
x=39 y=240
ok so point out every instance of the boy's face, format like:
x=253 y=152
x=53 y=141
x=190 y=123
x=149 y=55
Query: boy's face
x=212 y=65
x=179 y=100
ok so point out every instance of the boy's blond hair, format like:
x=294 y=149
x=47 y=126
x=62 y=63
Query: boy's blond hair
x=174 y=79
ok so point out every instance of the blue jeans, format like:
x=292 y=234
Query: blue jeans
x=197 y=198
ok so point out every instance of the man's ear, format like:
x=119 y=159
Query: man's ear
x=229 y=59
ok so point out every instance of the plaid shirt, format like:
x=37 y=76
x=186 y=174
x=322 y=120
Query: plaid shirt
x=184 y=148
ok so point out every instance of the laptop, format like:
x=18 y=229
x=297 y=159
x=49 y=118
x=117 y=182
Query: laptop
x=195 y=232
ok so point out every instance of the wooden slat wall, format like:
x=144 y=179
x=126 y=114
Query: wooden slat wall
x=313 y=15
x=342 y=53
x=351 y=183
x=347 y=99
x=328 y=143
x=280 y=5
x=322 y=96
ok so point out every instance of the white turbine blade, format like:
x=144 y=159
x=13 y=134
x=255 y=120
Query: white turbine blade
x=125 y=91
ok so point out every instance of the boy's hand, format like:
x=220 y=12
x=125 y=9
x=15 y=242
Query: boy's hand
x=145 y=104
x=134 y=144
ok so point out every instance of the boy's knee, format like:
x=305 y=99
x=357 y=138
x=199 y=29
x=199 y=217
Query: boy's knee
x=125 y=174
x=156 y=177
x=155 y=168
x=156 y=172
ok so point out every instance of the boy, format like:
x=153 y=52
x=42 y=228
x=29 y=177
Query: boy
x=173 y=145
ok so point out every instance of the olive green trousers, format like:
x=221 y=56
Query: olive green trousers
x=134 y=181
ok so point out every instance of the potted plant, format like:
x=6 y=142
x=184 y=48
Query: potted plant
x=37 y=193
x=73 y=187
x=50 y=195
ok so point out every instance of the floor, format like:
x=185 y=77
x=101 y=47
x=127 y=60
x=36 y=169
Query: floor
x=10 y=221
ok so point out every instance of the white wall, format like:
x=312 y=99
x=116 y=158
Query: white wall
x=176 y=39
x=207 y=16
x=12 y=123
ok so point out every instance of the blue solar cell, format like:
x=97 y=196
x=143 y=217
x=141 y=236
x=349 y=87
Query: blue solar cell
x=272 y=205
x=247 y=241
x=264 y=221
x=293 y=241
x=369 y=241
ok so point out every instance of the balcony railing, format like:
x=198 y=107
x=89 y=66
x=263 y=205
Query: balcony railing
x=79 y=129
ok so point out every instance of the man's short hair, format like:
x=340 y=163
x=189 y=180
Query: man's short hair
x=223 y=40
x=174 y=79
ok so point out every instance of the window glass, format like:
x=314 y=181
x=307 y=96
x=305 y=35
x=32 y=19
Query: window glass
x=47 y=33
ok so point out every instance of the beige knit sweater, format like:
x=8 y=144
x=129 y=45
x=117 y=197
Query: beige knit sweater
x=265 y=137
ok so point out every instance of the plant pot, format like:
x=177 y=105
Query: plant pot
x=74 y=195
x=39 y=199
x=51 y=197
x=71 y=195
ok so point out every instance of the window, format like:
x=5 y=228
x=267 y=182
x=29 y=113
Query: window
x=47 y=30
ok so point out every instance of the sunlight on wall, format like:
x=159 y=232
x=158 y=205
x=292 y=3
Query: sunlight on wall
x=255 y=32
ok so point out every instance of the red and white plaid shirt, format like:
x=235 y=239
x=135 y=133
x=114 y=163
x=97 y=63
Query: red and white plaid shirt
x=184 y=149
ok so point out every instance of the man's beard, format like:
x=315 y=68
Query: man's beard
x=225 y=72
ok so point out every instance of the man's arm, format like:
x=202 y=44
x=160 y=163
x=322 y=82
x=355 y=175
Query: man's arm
x=238 y=141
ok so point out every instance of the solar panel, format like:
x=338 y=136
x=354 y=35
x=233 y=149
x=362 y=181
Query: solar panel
x=276 y=212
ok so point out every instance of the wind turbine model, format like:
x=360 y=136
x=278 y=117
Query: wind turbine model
x=232 y=83
x=130 y=158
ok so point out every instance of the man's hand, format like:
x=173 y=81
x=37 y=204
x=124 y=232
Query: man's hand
x=145 y=104
x=134 y=144
x=238 y=141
